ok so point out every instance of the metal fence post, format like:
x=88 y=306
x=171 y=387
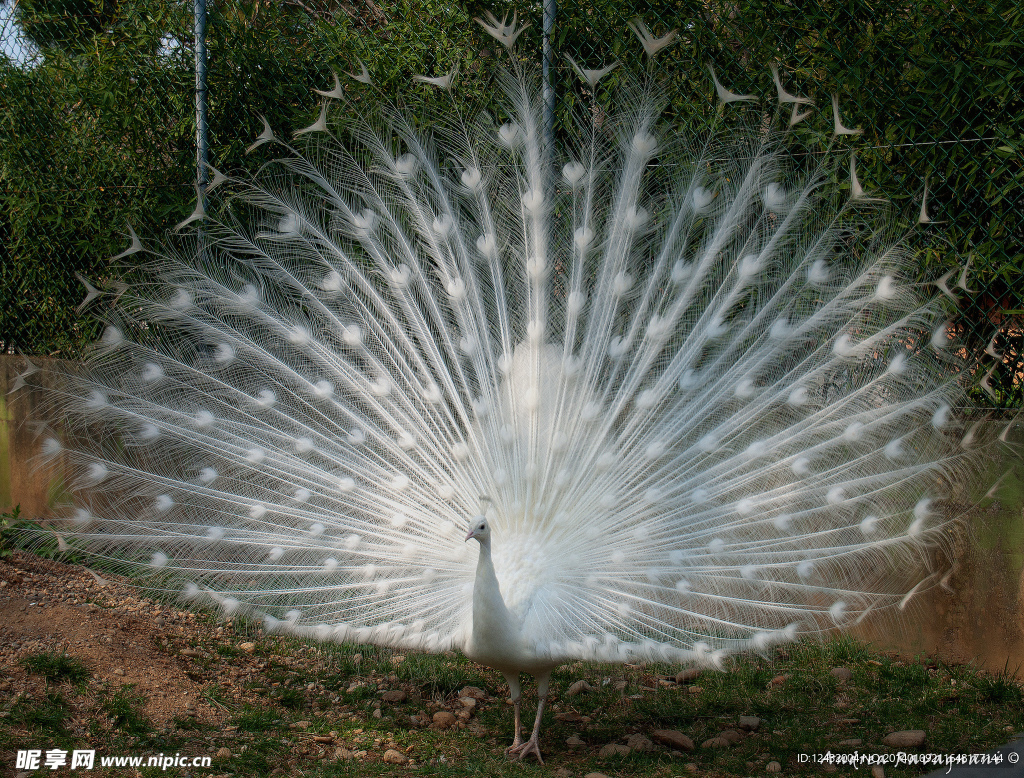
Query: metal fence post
x=202 y=135
x=550 y=9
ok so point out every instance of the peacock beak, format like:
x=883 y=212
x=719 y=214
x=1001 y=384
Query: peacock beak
x=469 y=535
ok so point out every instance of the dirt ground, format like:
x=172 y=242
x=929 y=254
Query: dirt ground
x=121 y=637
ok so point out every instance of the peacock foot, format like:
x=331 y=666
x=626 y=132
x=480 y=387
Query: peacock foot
x=522 y=750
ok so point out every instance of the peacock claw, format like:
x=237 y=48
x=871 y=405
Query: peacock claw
x=520 y=751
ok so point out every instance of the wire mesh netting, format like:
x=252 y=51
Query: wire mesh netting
x=99 y=120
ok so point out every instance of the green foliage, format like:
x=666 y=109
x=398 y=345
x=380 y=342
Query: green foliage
x=98 y=131
x=65 y=24
x=7 y=524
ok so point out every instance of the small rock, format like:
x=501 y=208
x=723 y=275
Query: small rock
x=579 y=687
x=377 y=714
x=853 y=741
x=841 y=673
x=300 y=725
x=877 y=771
x=750 y=723
x=391 y=756
x=773 y=767
x=472 y=691
x=906 y=738
x=734 y=736
x=247 y=647
x=467 y=702
x=695 y=689
x=619 y=686
x=118 y=671
x=613 y=749
x=595 y=775
x=357 y=659
x=689 y=674
x=638 y=742
x=343 y=753
x=715 y=742
x=691 y=768
x=573 y=741
x=673 y=739
x=779 y=680
x=563 y=772
x=443 y=720
x=394 y=695
x=223 y=753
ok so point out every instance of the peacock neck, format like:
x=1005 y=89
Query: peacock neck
x=490 y=613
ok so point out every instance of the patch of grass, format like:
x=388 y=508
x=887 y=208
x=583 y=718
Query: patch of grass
x=290 y=698
x=257 y=719
x=123 y=705
x=441 y=676
x=56 y=666
x=845 y=649
x=1000 y=690
x=257 y=759
x=905 y=678
x=43 y=717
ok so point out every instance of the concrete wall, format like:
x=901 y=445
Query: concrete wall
x=24 y=480
x=980 y=620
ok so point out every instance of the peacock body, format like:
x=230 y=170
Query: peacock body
x=683 y=395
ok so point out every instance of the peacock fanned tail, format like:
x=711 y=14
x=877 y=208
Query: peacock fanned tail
x=690 y=382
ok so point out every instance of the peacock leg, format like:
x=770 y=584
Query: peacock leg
x=514 y=691
x=518 y=739
x=532 y=746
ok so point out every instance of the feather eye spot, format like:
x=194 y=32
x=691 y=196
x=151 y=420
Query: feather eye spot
x=96 y=473
x=509 y=134
x=472 y=179
x=573 y=173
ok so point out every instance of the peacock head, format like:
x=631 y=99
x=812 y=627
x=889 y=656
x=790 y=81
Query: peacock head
x=479 y=529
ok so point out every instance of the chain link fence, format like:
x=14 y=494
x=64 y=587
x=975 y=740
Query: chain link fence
x=98 y=126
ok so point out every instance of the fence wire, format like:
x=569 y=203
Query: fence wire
x=98 y=123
